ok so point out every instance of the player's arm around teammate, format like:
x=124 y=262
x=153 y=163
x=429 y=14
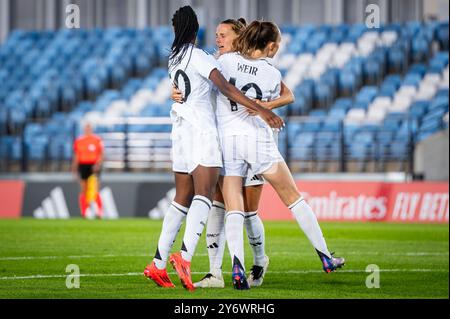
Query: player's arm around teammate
x=286 y=97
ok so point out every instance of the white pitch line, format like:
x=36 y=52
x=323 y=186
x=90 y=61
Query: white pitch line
x=424 y=253
x=292 y=253
x=225 y=272
x=71 y=257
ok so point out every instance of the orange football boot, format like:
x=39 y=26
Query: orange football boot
x=159 y=276
x=183 y=269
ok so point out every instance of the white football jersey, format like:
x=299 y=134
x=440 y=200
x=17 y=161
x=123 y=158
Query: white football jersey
x=257 y=79
x=191 y=76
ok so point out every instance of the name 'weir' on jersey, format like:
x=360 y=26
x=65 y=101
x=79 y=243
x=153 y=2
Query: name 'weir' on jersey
x=191 y=76
x=257 y=79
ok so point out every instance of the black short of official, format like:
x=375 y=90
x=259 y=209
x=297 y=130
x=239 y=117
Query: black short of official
x=86 y=170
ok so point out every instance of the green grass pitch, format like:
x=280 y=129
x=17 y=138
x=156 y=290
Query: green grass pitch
x=413 y=261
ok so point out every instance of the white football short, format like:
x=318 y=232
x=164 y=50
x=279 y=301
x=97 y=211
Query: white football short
x=192 y=147
x=253 y=179
x=242 y=153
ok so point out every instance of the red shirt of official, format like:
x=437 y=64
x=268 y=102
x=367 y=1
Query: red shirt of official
x=88 y=149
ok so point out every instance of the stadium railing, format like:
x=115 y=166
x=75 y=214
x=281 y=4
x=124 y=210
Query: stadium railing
x=316 y=144
x=142 y=143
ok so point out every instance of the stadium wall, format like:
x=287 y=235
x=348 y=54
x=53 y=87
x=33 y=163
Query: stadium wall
x=355 y=199
x=11 y=198
x=120 y=199
x=416 y=202
x=427 y=163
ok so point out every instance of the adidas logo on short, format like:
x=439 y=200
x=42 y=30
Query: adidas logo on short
x=214 y=245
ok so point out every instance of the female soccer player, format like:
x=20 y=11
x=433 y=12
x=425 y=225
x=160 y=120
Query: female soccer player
x=227 y=31
x=247 y=142
x=197 y=157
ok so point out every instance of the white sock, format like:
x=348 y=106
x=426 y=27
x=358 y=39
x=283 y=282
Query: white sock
x=195 y=223
x=256 y=237
x=215 y=237
x=171 y=226
x=308 y=222
x=234 y=231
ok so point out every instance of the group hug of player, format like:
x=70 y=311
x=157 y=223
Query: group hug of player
x=224 y=149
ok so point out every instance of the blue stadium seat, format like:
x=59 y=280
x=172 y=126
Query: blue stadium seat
x=293 y=129
x=418 y=109
x=373 y=71
x=304 y=139
x=418 y=68
x=398 y=151
x=420 y=49
x=358 y=152
x=442 y=93
x=332 y=124
x=343 y=103
x=325 y=139
x=367 y=94
x=337 y=113
x=318 y=113
x=301 y=153
x=10 y=148
x=364 y=138
x=312 y=126
x=347 y=83
x=60 y=148
x=442 y=37
x=412 y=79
x=37 y=148
x=385 y=137
x=323 y=94
x=440 y=102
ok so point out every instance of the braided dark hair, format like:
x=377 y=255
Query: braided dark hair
x=185 y=25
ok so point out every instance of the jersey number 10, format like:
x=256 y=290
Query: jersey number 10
x=244 y=89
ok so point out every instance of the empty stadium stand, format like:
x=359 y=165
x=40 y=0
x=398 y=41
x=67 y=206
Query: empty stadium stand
x=363 y=97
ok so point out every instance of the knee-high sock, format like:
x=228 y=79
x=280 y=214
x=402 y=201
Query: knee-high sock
x=83 y=204
x=99 y=202
x=308 y=223
x=256 y=237
x=173 y=220
x=234 y=231
x=215 y=237
x=195 y=223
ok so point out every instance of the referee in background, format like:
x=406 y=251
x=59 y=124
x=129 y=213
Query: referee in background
x=87 y=162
